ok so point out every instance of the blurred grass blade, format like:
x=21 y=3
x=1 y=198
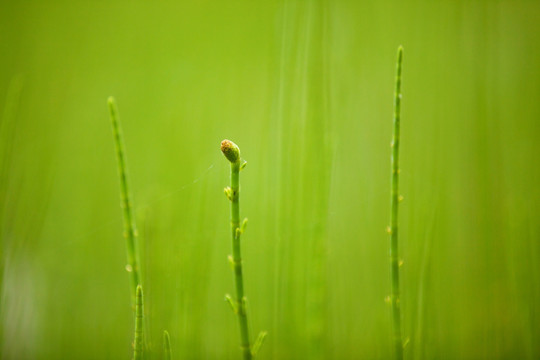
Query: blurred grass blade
x=166 y=345
x=7 y=134
x=130 y=228
x=393 y=230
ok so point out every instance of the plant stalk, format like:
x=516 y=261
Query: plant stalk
x=138 y=341
x=237 y=261
x=394 y=254
x=130 y=228
x=232 y=152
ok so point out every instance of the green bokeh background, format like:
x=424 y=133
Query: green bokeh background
x=305 y=89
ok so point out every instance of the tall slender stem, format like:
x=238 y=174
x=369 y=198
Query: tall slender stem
x=232 y=152
x=394 y=254
x=237 y=260
x=138 y=341
x=130 y=228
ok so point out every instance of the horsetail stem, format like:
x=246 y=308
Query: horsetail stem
x=393 y=229
x=166 y=345
x=138 y=342
x=130 y=229
x=232 y=153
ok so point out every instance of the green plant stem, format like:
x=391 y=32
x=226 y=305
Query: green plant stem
x=130 y=228
x=138 y=342
x=166 y=345
x=237 y=261
x=394 y=254
x=7 y=132
x=232 y=152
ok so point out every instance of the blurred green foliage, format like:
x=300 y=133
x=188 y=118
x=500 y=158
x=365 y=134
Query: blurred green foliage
x=305 y=89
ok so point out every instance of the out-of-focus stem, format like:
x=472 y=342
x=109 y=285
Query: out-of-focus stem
x=394 y=255
x=130 y=228
x=138 y=341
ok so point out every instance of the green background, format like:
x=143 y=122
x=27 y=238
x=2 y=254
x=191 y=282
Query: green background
x=305 y=88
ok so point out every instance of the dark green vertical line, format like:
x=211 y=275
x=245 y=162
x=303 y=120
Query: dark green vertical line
x=394 y=254
x=138 y=341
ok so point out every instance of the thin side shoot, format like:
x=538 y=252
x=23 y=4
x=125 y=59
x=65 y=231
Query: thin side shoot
x=166 y=346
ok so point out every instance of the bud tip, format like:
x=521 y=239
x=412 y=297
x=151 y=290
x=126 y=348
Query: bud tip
x=230 y=150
